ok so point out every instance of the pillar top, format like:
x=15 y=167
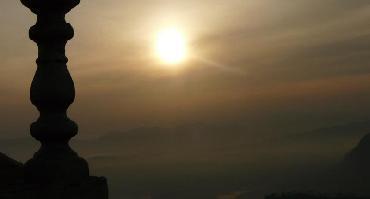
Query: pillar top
x=50 y=6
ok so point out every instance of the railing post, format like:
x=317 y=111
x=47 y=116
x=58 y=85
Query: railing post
x=52 y=92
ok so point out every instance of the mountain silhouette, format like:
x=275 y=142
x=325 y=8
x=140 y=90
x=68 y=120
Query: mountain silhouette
x=359 y=157
x=353 y=174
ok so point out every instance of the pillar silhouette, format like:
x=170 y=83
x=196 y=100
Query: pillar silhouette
x=52 y=92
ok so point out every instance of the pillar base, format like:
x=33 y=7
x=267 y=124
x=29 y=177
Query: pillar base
x=55 y=163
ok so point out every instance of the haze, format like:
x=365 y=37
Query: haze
x=259 y=69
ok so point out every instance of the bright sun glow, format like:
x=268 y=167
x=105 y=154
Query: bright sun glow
x=171 y=46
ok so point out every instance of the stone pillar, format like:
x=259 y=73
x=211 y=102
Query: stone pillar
x=52 y=92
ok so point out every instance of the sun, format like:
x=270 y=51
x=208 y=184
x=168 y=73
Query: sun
x=171 y=47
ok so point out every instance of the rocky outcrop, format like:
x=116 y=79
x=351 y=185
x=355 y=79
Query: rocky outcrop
x=354 y=174
x=359 y=157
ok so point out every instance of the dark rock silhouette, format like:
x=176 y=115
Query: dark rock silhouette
x=356 y=165
x=359 y=157
x=55 y=171
x=346 y=176
x=312 y=196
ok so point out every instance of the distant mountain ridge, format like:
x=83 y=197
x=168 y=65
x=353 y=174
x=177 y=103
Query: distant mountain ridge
x=198 y=137
x=350 y=129
x=353 y=129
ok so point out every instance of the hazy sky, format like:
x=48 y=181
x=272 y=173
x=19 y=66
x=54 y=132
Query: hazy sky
x=255 y=69
x=269 y=63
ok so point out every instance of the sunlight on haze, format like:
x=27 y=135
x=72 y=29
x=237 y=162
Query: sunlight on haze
x=171 y=47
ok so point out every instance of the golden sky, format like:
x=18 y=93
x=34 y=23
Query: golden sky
x=273 y=63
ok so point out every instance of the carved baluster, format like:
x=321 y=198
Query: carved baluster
x=52 y=92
